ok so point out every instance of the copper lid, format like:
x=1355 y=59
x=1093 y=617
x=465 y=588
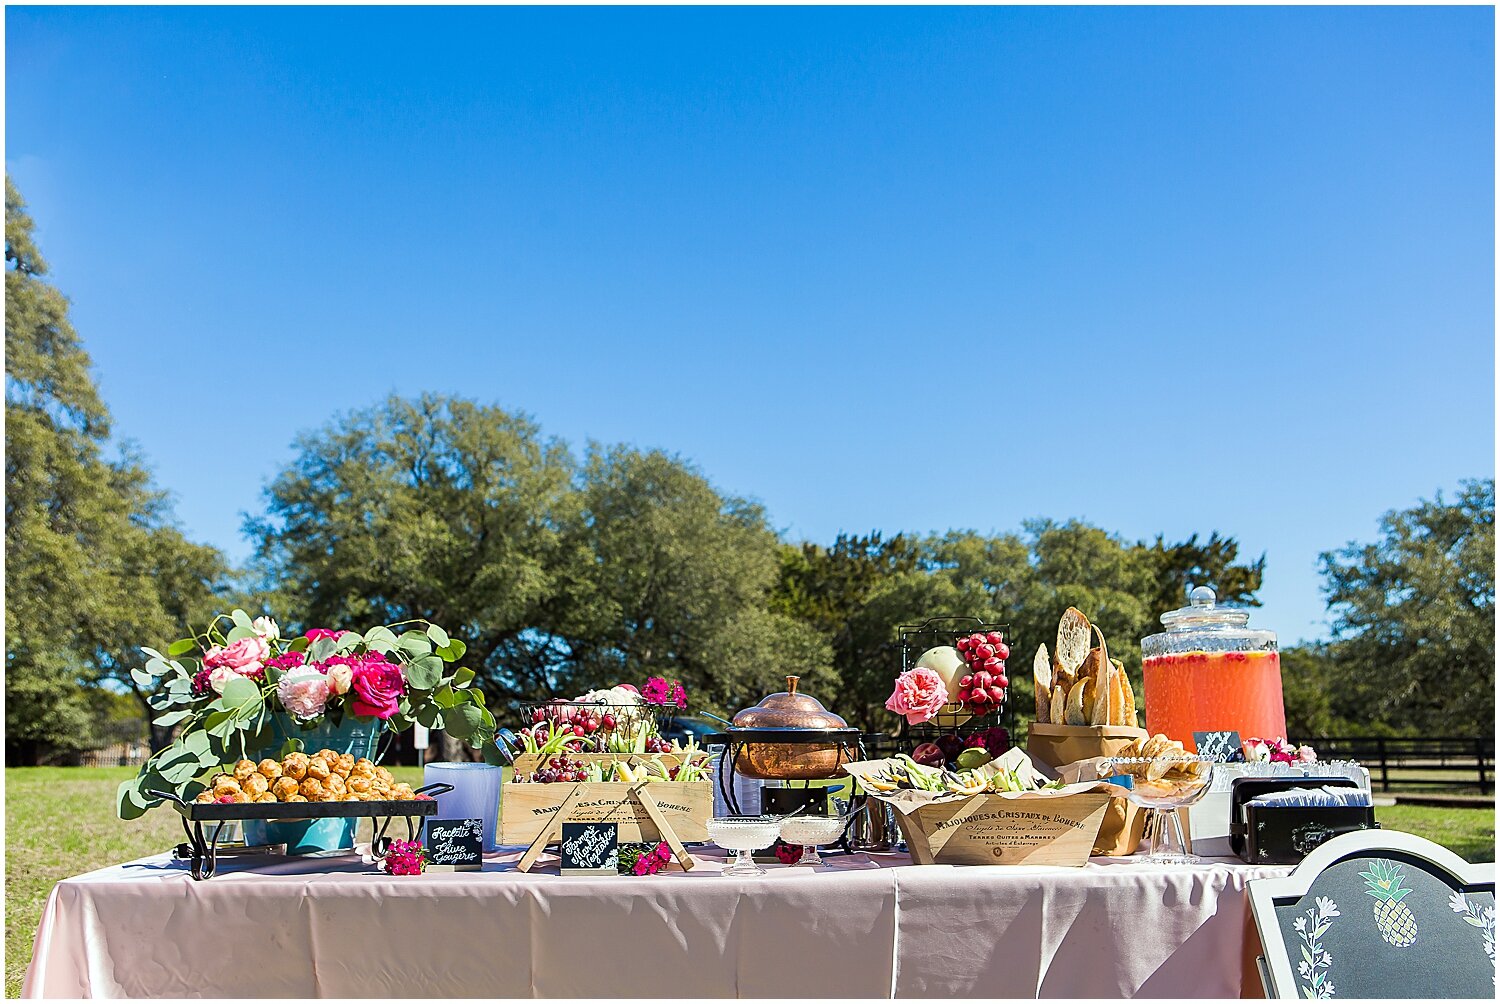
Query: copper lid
x=789 y=710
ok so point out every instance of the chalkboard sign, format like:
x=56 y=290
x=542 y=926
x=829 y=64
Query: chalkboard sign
x=455 y=843
x=1390 y=924
x=590 y=848
x=1220 y=747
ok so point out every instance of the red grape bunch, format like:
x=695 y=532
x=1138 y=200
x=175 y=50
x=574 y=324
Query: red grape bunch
x=559 y=768
x=982 y=689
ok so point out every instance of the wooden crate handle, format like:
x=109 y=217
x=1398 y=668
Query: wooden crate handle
x=648 y=802
x=554 y=825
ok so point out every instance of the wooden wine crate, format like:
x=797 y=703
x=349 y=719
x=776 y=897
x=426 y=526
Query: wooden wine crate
x=1032 y=829
x=527 y=808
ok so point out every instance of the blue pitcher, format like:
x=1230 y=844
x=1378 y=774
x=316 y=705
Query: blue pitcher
x=359 y=736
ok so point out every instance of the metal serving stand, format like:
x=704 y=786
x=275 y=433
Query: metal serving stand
x=203 y=850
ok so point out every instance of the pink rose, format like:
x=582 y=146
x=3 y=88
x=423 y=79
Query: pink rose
x=340 y=677
x=303 y=692
x=1306 y=754
x=920 y=693
x=377 y=689
x=244 y=656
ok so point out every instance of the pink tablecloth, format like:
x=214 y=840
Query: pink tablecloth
x=867 y=927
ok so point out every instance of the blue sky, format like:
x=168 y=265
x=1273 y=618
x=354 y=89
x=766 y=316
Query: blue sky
x=1166 y=270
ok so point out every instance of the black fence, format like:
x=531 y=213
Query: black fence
x=1418 y=764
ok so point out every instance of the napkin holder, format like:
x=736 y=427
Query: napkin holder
x=1285 y=834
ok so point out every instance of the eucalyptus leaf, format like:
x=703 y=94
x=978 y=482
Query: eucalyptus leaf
x=438 y=635
x=153 y=653
x=130 y=803
x=157 y=666
x=170 y=718
x=447 y=698
x=238 y=632
x=143 y=678
x=196 y=743
x=453 y=651
x=321 y=650
x=300 y=644
x=241 y=619
x=463 y=676
x=182 y=646
x=160 y=701
x=346 y=642
x=461 y=721
x=292 y=745
x=380 y=638
x=414 y=643
x=240 y=691
x=430 y=715
x=425 y=673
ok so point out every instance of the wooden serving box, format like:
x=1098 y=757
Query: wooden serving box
x=1033 y=829
x=527 y=808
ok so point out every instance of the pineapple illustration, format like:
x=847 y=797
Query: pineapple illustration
x=1392 y=917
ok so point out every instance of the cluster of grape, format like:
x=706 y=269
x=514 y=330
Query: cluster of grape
x=983 y=688
x=559 y=768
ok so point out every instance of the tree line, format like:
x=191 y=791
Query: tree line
x=566 y=570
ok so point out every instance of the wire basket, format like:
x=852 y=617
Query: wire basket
x=954 y=720
x=624 y=716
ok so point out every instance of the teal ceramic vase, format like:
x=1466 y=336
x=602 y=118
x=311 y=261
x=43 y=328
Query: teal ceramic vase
x=359 y=736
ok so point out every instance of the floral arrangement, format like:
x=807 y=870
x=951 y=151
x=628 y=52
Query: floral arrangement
x=643 y=859
x=222 y=687
x=788 y=854
x=404 y=857
x=1277 y=750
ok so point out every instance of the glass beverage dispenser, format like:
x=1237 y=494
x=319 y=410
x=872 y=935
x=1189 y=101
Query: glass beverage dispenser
x=1209 y=672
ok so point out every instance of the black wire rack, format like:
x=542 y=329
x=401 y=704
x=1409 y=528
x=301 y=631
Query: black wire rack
x=918 y=638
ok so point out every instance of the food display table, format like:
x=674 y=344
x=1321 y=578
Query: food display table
x=868 y=926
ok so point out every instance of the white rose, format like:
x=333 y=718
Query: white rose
x=220 y=677
x=340 y=677
x=266 y=628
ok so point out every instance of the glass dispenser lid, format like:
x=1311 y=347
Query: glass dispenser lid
x=1202 y=612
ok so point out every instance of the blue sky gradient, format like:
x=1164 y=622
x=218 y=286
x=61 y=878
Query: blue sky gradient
x=1166 y=270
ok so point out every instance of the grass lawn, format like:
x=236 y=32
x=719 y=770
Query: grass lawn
x=60 y=821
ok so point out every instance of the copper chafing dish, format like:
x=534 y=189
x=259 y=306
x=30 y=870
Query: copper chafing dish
x=789 y=737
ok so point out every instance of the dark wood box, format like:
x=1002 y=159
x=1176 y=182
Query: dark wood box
x=1284 y=835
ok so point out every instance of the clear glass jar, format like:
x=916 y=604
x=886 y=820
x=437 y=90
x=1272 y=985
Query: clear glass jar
x=1210 y=672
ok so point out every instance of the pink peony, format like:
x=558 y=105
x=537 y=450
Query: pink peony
x=377 y=687
x=304 y=692
x=245 y=656
x=920 y=693
x=1306 y=754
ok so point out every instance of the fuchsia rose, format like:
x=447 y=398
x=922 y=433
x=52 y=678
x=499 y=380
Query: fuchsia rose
x=318 y=634
x=303 y=692
x=245 y=657
x=920 y=693
x=377 y=687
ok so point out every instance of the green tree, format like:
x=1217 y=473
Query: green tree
x=1414 y=618
x=94 y=565
x=559 y=576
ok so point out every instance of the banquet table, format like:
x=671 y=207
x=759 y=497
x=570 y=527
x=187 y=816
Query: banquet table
x=865 y=926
